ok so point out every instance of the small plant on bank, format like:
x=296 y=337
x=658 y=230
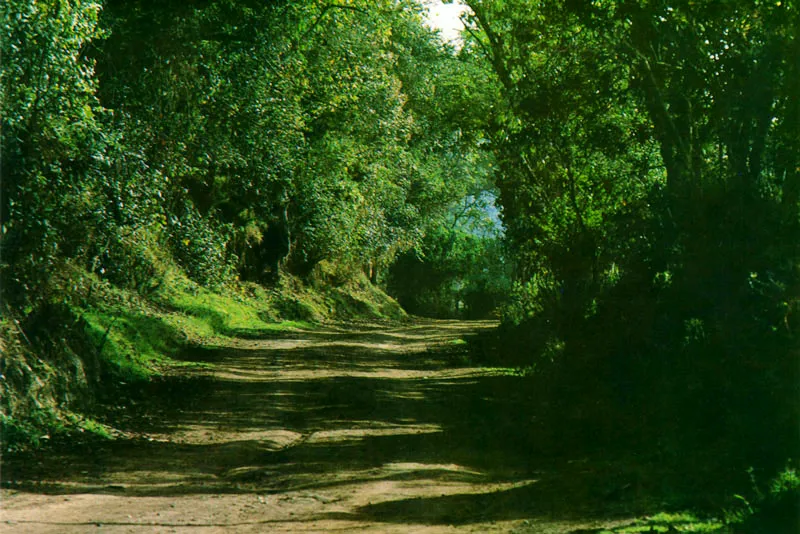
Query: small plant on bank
x=775 y=510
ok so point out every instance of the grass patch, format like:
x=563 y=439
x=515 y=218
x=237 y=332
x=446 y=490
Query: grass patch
x=670 y=522
x=138 y=339
x=220 y=314
x=131 y=343
x=93 y=427
x=49 y=426
x=240 y=310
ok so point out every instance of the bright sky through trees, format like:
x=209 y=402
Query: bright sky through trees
x=446 y=18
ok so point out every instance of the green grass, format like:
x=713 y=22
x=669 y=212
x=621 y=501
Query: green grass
x=141 y=337
x=681 y=521
x=138 y=339
x=131 y=342
x=93 y=427
x=47 y=425
x=104 y=337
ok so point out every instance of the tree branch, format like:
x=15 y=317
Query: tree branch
x=321 y=16
x=495 y=42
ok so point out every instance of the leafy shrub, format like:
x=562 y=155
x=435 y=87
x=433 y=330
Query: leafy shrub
x=51 y=139
x=130 y=258
x=776 y=511
x=200 y=248
x=530 y=299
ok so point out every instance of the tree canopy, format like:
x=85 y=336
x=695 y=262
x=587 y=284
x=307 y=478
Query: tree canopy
x=648 y=156
x=240 y=137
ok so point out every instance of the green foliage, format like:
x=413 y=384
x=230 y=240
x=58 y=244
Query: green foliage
x=607 y=187
x=223 y=139
x=199 y=248
x=130 y=257
x=646 y=209
x=240 y=135
x=17 y=434
x=49 y=368
x=775 y=510
x=459 y=267
x=787 y=481
x=306 y=137
x=670 y=522
x=457 y=274
x=532 y=298
x=53 y=143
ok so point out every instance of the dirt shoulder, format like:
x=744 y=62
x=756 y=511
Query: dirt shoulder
x=367 y=428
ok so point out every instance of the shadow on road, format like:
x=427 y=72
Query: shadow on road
x=345 y=408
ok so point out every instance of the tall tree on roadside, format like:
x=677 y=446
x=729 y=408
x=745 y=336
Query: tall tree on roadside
x=650 y=190
x=53 y=143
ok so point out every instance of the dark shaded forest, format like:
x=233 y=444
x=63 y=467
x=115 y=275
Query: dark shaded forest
x=617 y=182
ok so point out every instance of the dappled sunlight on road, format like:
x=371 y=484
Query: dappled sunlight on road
x=370 y=428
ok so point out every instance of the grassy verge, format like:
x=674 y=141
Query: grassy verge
x=671 y=522
x=99 y=339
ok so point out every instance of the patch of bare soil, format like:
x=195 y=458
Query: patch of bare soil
x=374 y=428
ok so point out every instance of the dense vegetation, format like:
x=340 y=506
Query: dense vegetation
x=649 y=184
x=645 y=157
x=236 y=137
x=650 y=170
x=164 y=162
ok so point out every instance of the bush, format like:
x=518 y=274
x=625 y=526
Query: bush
x=775 y=512
x=200 y=248
x=131 y=258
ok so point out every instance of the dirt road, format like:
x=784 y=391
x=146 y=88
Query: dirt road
x=379 y=429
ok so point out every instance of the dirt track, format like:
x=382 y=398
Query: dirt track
x=361 y=429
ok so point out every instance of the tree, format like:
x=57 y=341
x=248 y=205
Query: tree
x=53 y=143
x=577 y=160
x=650 y=197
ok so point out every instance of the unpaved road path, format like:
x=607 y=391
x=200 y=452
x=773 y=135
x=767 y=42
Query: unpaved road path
x=377 y=429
